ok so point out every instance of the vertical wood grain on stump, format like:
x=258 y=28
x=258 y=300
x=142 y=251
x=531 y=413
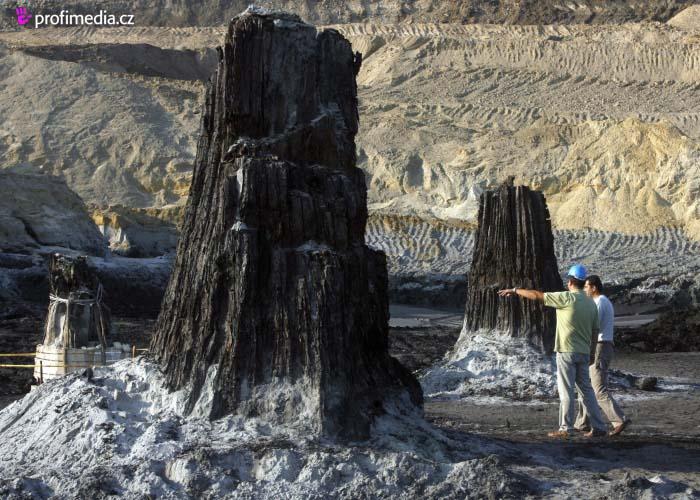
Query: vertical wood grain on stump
x=514 y=247
x=273 y=286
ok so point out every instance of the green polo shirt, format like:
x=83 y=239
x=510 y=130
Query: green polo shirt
x=577 y=317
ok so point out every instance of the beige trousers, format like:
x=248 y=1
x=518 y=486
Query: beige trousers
x=573 y=375
x=599 y=379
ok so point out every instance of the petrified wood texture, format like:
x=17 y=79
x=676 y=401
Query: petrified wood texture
x=76 y=315
x=514 y=247
x=275 y=305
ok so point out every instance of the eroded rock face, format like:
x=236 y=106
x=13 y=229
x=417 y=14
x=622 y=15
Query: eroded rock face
x=39 y=216
x=138 y=232
x=514 y=247
x=626 y=145
x=207 y=13
x=275 y=306
x=41 y=210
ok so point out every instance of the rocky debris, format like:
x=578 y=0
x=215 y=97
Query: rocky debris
x=657 y=486
x=124 y=433
x=420 y=348
x=41 y=210
x=22 y=328
x=139 y=233
x=40 y=216
x=677 y=330
x=687 y=292
x=652 y=290
x=132 y=287
x=431 y=289
x=514 y=247
x=644 y=383
x=285 y=311
x=24 y=278
x=623 y=381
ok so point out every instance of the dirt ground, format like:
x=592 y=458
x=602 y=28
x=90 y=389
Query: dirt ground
x=663 y=439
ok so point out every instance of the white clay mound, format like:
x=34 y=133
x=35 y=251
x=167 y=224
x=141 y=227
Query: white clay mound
x=491 y=364
x=122 y=434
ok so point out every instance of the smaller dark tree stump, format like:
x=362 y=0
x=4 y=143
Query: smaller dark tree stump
x=76 y=316
x=514 y=247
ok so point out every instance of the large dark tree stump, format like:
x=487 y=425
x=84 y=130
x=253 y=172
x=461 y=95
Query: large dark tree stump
x=275 y=305
x=76 y=317
x=514 y=247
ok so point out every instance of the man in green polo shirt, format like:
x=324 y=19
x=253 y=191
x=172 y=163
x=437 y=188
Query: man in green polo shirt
x=577 y=323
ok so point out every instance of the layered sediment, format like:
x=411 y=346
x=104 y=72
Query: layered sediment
x=603 y=116
x=406 y=11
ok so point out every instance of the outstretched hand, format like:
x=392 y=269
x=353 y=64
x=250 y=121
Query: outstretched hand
x=507 y=292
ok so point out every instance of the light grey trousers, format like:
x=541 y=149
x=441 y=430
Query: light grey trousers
x=599 y=379
x=572 y=371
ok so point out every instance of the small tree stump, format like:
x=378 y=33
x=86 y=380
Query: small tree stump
x=76 y=315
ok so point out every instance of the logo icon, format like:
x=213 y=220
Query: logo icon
x=23 y=15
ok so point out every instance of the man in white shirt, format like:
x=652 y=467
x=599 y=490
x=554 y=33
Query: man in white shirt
x=603 y=357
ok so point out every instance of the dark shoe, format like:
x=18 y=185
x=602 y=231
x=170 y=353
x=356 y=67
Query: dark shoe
x=582 y=429
x=619 y=428
x=559 y=435
x=595 y=433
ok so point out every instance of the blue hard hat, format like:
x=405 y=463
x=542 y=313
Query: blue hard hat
x=578 y=271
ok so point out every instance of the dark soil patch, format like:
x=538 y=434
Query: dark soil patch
x=418 y=348
x=672 y=331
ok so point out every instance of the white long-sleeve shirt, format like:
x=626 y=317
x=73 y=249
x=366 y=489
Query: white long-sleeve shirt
x=606 y=316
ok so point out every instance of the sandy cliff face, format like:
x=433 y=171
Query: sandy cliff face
x=41 y=211
x=116 y=137
x=114 y=124
x=139 y=232
x=604 y=119
x=207 y=13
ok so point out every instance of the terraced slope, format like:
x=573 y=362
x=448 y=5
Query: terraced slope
x=604 y=119
x=416 y=247
x=102 y=118
x=208 y=13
